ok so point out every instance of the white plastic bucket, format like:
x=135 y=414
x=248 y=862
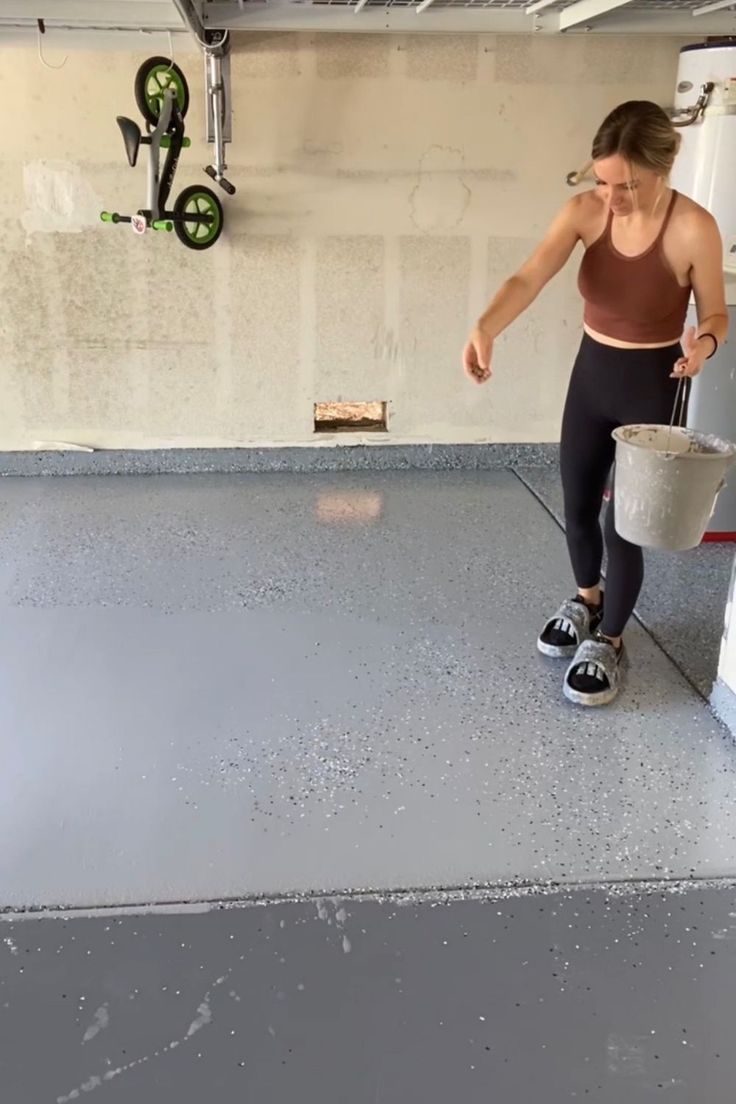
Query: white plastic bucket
x=667 y=483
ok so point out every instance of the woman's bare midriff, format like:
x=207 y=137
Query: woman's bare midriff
x=614 y=343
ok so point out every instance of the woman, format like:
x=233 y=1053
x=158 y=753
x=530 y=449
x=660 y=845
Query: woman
x=646 y=249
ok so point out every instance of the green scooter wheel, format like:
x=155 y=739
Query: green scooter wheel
x=152 y=80
x=197 y=200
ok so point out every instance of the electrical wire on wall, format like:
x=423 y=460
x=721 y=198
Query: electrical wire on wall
x=42 y=31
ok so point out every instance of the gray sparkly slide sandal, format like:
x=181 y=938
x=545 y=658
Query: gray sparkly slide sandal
x=563 y=634
x=594 y=676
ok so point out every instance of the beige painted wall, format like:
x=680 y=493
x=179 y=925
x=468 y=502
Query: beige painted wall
x=385 y=186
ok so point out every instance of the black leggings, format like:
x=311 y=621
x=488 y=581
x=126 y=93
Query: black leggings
x=609 y=388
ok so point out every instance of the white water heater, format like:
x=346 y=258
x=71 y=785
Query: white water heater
x=705 y=170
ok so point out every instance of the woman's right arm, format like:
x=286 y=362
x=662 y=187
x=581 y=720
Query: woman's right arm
x=520 y=291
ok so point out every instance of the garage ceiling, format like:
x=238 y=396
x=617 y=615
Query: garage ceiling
x=694 y=18
x=676 y=17
x=100 y=15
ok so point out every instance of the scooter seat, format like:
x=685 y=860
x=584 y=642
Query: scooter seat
x=131 y=137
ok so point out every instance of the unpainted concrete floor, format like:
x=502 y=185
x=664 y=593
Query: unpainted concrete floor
x=255 y=687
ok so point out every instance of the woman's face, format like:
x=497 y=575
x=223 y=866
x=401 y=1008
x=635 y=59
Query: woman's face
x=625 y=186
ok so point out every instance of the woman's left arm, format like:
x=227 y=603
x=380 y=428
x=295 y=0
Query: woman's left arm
x=710 y=297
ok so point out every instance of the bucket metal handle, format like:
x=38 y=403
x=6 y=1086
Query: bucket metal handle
x=681 y=398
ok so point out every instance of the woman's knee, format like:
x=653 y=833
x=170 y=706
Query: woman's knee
x=581 y=515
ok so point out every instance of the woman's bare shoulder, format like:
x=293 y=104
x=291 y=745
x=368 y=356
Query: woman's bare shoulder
x=587 y=214
x=586 y=207
x=691 y=216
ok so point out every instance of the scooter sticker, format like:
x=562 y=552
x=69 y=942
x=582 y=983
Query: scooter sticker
x=138 y=223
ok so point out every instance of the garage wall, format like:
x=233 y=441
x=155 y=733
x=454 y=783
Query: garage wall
x=386 y=185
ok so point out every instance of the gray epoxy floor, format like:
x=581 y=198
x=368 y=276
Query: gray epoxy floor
x=218 y=687
x=580 y=995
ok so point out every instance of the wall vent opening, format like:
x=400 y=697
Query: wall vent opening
x=351 y=417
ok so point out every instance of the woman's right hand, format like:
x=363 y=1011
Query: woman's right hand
x=477 y=356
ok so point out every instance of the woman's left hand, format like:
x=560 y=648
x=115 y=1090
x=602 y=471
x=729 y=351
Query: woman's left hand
x=694 y=356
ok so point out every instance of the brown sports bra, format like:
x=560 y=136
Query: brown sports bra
x=633 y=299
